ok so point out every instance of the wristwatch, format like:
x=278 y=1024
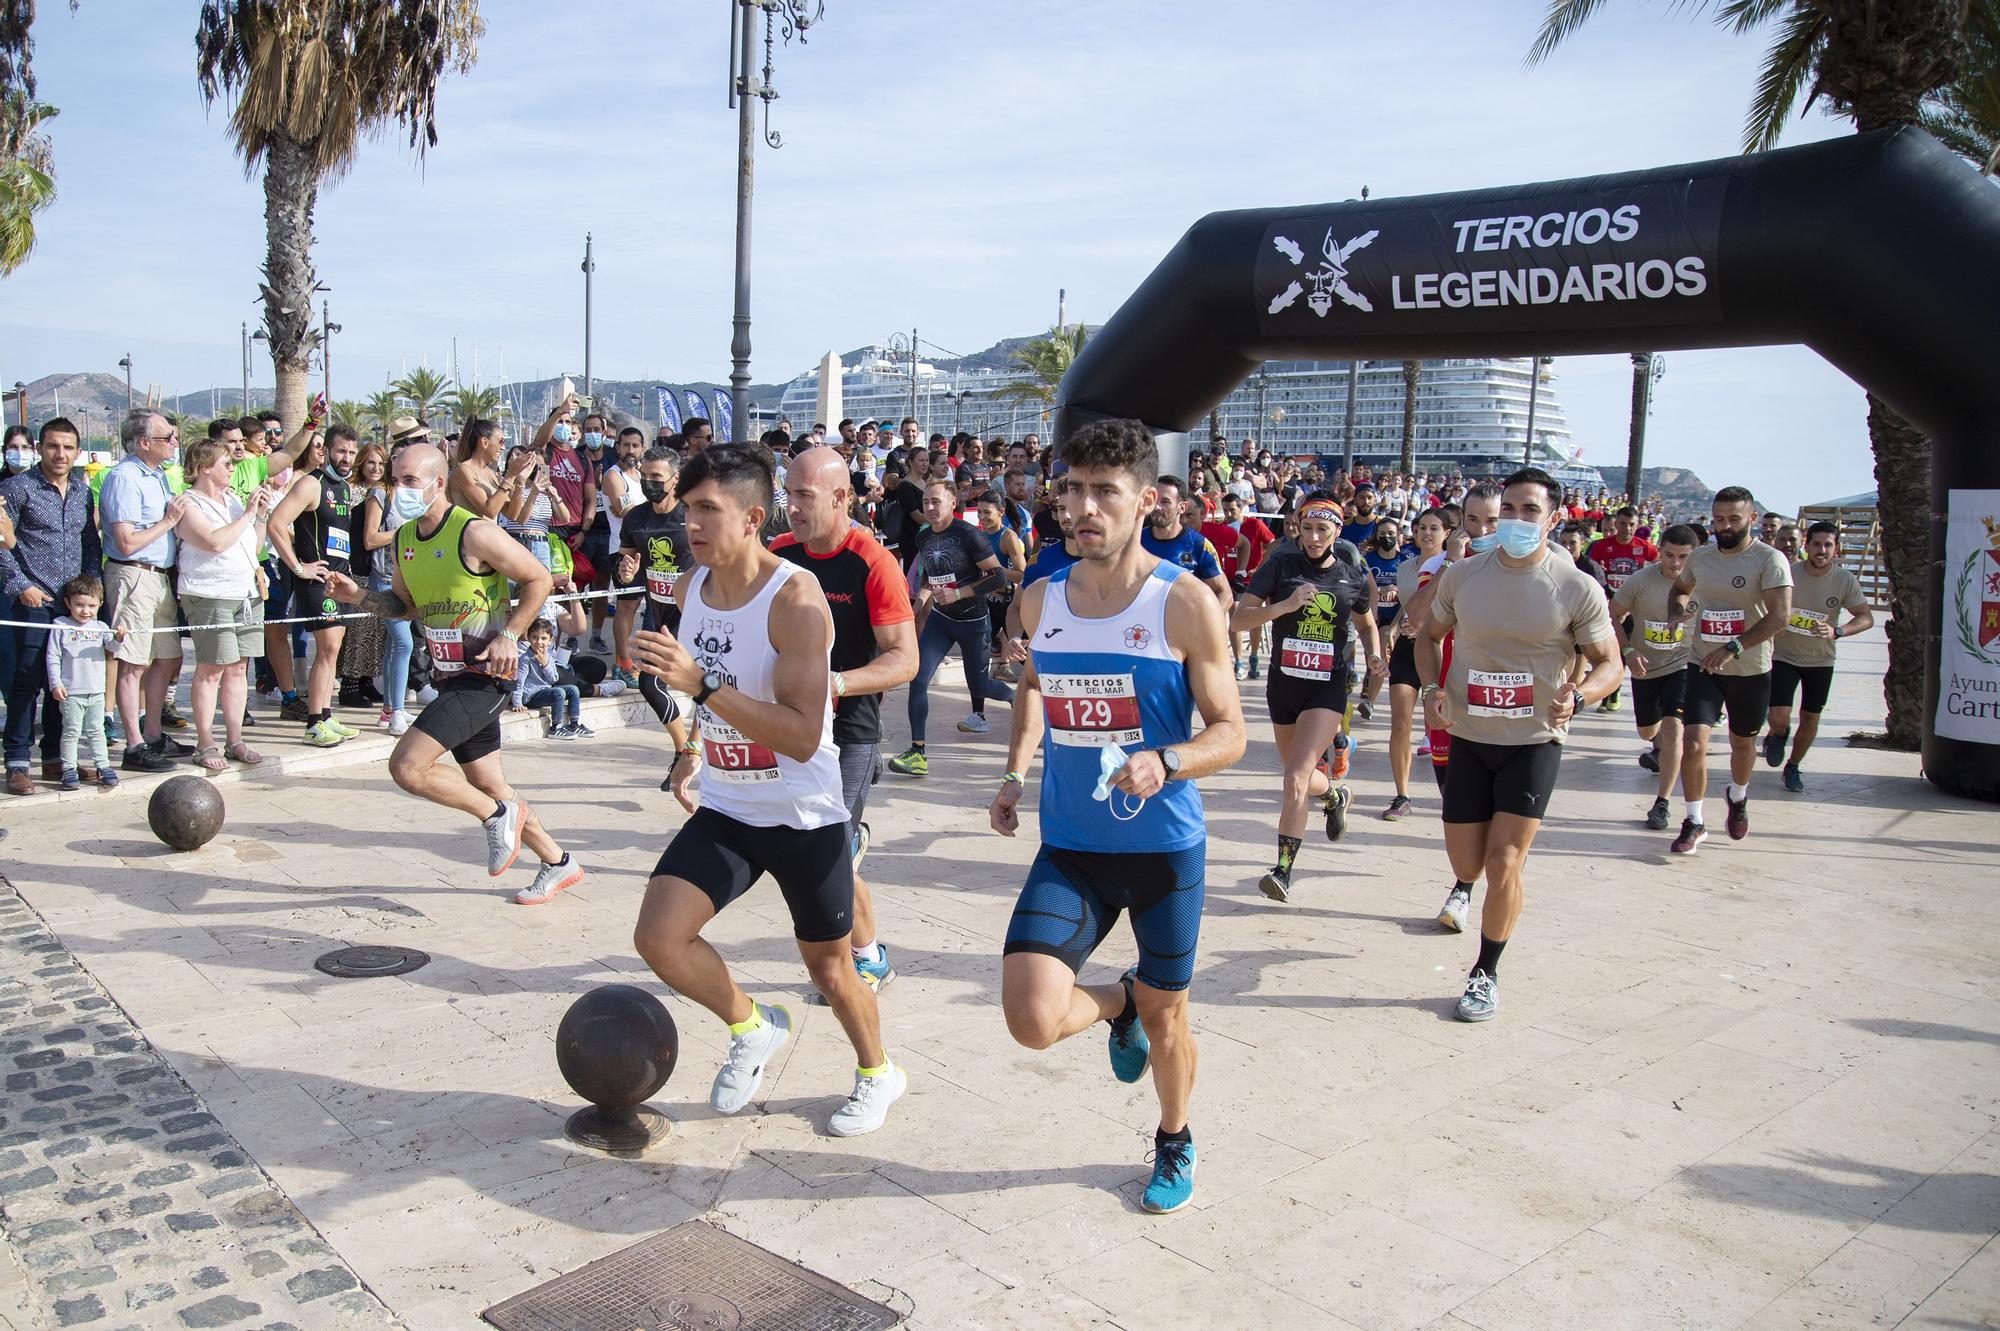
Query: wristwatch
x=1170 y=760
x=710 y=682
x=1735 y=647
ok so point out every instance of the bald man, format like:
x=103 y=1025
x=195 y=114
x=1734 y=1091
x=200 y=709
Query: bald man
x=874 y=648
x=452 y=572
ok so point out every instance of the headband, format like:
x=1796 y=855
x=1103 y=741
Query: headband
x=1321 y=509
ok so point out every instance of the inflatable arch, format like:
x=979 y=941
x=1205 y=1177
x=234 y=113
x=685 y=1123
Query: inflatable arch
x=1879 y=251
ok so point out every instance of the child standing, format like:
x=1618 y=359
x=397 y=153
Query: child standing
x=539 y=682
x=75 y=657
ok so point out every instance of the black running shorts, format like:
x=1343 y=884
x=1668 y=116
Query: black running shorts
x=725 y=858
x=1814 y=683
x=1747 y=699
x=1290 y=698
x=1484 y=779
x=1403 y=663
x=1656 y=698
x=465 y=716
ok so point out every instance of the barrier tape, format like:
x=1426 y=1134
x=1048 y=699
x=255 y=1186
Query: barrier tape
x=606 y=595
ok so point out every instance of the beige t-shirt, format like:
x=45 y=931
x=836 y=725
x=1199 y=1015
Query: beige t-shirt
x=1730 y=588
x=1516 y=631
x=1662 y=646
x=1817 y=598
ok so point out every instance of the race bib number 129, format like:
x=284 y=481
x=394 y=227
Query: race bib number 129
x=1091 y=710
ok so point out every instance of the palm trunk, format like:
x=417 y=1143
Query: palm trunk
x=1635 y=441
x=1903 y=507
x=1407 y=463
x=291 y=188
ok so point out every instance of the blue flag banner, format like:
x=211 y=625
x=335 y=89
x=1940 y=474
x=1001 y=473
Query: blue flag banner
x=723 y=413
x=696 y=407
x=670 y=409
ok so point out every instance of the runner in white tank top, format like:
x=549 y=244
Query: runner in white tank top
x=753 y=652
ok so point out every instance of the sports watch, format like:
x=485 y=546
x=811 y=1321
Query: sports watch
x=710 y=682
x=1170 y=760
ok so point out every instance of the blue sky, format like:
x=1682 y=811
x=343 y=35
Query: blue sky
x=947 y=165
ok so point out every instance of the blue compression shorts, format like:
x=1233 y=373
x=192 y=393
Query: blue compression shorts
x=1073 y=897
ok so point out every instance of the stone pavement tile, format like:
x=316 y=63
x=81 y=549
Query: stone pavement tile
x=1721 y=1082
x=1594 y=1282
x=425 y=1257
x=1038 y=1307
x=1959 y=1055
x=407 y=1167
x=941 y=1284
x=1229 y=1301
x=1695 y=1217
x=1374 y=1269
x=1862 y=1285
x=1950 y=1215
x=1969 y=1297
x=274 y=1125
x=839 y=1225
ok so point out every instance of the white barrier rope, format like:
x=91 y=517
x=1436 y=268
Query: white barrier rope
x=606 y=595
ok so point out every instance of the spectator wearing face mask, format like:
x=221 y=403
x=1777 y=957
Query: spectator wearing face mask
x=569 y=476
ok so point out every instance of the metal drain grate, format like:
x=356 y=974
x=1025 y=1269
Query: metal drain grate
x=354 y=963
x=693 y=1277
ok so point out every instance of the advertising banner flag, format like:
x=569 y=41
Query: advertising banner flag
x=697 y=408
x=723 y=413
x=670 y=408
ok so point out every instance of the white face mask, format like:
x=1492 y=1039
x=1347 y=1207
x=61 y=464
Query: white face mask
x=407 y=505
x=20 y=459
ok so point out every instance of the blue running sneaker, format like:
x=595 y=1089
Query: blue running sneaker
x=1173 y=1177
x=876 y=974
x=1129 y=1047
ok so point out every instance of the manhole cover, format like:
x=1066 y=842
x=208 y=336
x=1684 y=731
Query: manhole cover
x=693 y=1277
x=351 y=963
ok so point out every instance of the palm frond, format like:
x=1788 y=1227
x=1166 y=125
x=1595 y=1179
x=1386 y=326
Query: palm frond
x=1743 y=16
x=1788 y=64
x=1559 y=25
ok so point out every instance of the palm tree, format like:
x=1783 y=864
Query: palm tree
x=424 y=387
x=1046 y=359
x=381 y=408
x=27 y=176
x=354 y=415
x=466 y=403
x=1965 y=116
x=309 y=79
x=1877 y=62
x=1407 y=463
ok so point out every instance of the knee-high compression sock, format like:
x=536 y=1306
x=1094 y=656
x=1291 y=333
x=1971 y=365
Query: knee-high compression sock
x=1288 y=850
x=1489 y=956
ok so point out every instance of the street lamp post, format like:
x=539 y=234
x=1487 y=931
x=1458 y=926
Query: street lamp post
x=327 y=329
x=792 y=18
x=589 y=267
x=1353 y=393
x=125 y=364
x=21 y=394
x=1535 y=364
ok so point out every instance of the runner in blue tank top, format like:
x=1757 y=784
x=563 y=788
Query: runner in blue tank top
x=1125 y=648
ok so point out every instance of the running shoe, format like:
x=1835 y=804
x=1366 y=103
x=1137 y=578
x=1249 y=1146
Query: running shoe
x=1649 y=759
x=383 y=717
x=323 y=735
x=340 y=728
x=1480 y=1000
x=1690 y=839
x=1173 y=1177
x=563 y=731
x=1242 y=670
x=862 y=839
x=1130 y=1049
x=503 y=837
x=1793 y=781
x=974 y=724
x=399 y=722
x=629 y=675
x=1398 y=809
x=1335 y=806
x=550 y=879
x=578 y=730
x=597 y=643
x=868 y=1106
x=1457 y=905
x=1738 y=821
x=1774 y=747
x=743 y=1071
x=170 y=718
x=911 y=762
x=70 y=780
x=1609 y=704
x=1276 y=884
x=1364 y=709
x=1656 y=817
x=427 y=695
x=875 y=974
x=106 y=777
x=169 y=747
x=294 y=709
x=612 y=688
x=1337 y=764
x=1255 y=673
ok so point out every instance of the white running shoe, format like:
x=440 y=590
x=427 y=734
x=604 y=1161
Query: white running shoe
x=868 y=1106
x=503 y=838
x=564 y=874
x=427 y=695
x=611 y=688
x=399 y=721
x=1456 y=907
x=743 y=1071
x=974 y=724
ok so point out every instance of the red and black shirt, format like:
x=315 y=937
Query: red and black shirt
x=864 y=589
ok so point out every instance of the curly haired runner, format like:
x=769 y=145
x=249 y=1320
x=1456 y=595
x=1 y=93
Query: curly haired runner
x=1125 y=647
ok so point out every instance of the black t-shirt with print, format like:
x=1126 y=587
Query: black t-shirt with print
x=661 y=540
x=1311 y=642
x=950 y=558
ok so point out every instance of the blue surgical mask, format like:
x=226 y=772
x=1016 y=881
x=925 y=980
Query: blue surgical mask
x=561 y=433
x=408 y=505
x=1519 y=538
x=593 y=439
x=1481 y=544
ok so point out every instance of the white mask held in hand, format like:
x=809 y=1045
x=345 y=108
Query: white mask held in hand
x=1110 y=759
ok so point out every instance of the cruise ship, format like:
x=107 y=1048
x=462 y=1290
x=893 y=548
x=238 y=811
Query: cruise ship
x=1472 y=415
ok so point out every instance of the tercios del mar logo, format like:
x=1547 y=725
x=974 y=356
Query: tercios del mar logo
x=1328 y=279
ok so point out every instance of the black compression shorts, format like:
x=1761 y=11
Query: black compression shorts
x=1747 y=699
x=465 y=716
x=1290 y=698
x=1814 y=683
x=1660 y=697
x=814 y=869
x=1403 y=663
x=1484 y=779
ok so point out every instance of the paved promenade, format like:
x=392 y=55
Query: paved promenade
x=1757 y=1088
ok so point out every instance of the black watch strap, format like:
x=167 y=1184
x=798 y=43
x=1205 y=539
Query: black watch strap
x=702 y=694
